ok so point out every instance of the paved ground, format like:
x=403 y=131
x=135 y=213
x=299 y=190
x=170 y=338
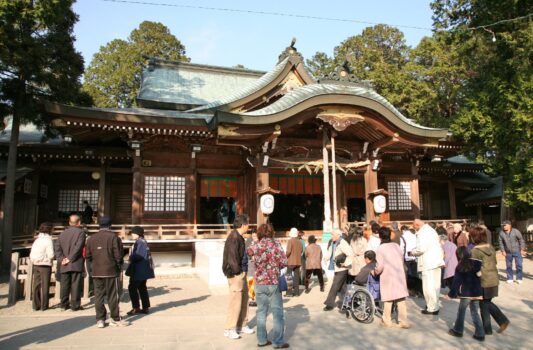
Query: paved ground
x=187 y=315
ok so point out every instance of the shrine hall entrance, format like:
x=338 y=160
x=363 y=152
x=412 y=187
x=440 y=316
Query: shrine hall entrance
x=218 y=203
x=300 y=202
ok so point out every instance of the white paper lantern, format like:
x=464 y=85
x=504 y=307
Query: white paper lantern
x=267 y=204
x=380 y=204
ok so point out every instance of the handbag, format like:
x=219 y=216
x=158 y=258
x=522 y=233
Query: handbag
x=282 y=283
x=340 y=259
x=130 y=270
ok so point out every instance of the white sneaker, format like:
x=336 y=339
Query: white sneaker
x=231 y=333
x=245 y=330
x=100 y=324
x=519 y=281
x=509 y=281
x=120 y=323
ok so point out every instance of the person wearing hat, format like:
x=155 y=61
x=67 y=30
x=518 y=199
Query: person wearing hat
x=294 y=256
x=512 y=246
x=141 y=268
x=104 y=250
x=41 y=256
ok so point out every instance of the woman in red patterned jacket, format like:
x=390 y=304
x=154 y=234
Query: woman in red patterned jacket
x=269 y=258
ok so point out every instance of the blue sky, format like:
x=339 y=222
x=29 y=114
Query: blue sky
x=226 y=38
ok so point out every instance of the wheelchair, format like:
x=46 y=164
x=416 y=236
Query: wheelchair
x=362 y=303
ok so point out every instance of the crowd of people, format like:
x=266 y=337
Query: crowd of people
x=100 y=255
x=406 y=261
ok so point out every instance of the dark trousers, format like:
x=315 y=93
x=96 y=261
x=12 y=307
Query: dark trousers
x=71 y=286
x=138 y=289
x=295 y=272
x=106 y=288
x=488 y=309
x=41 y=286
x=316 y=272
x=336 y=286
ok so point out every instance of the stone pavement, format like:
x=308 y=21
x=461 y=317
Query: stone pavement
x=187 y=315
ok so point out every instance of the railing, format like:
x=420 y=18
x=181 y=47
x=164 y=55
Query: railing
x=184 y=232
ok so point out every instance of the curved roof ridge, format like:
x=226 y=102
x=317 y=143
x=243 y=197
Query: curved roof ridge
x=246 y=91
x=305 y=92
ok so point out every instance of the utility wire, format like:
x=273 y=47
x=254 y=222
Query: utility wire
x=266 y=13
x=502 y=21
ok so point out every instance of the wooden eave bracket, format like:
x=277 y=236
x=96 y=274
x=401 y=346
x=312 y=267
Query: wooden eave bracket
x=384 y=142
x=339 y=119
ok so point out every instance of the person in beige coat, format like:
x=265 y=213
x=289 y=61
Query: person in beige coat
x=392 y=282
x=359 y=245
x=339 y=258
x=294 y=256
x=313 y=258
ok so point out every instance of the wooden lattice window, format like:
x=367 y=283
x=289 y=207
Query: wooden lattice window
x=399 y=195
x=72 y=200
x=164 y=193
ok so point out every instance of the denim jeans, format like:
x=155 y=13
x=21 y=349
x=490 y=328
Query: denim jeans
x=268 y=296
x=518 y=262
x=459 y=325
x=488 y=309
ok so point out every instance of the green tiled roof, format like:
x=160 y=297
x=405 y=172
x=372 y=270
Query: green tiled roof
x=492 y=194
x=245 y=91
x=301 y=94
x=192 y=84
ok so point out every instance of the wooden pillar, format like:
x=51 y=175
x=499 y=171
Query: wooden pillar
x=479 y=212
x=415 y=192
x=327 y=201
x=451 y=195
x=261 y=182
x=334 y=178
x=427 y=203
x=137 y=192
x=371 y=185
x=102 y=210
x=193 y=192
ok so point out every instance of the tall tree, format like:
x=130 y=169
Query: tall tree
x=495 y=42
x=37 y=60
x=436 y=77
x=320 y=64
x=378 y=54
x=113 y=77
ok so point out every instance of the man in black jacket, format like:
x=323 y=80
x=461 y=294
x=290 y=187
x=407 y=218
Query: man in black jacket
x=235 y=267
x=104 y=249
x=69 y=250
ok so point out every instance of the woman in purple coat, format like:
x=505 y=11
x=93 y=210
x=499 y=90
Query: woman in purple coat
x=392 y=282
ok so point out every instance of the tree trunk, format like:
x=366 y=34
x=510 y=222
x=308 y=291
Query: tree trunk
x=9 y=196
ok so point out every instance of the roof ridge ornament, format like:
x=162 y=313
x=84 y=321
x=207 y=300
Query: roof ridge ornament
x=343 y=75
x=289 y=51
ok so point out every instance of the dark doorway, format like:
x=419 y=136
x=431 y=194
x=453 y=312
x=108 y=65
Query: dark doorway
x=304 y=212
x=356 y=209
x=217 y=210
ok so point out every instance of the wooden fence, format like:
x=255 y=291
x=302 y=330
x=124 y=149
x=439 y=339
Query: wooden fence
x=21 y=280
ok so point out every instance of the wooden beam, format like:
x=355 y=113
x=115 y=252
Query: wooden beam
x=384 y=142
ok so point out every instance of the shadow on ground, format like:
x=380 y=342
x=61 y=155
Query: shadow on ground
x=45 y=333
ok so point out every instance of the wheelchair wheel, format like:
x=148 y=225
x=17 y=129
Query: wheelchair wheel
x=363 y=306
